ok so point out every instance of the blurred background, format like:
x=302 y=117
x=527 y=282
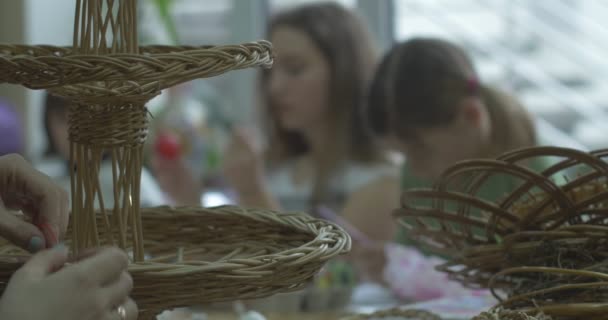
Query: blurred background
x=549 y=52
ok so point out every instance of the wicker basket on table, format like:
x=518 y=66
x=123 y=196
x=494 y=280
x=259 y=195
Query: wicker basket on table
x=540 y=247
x=181 y=256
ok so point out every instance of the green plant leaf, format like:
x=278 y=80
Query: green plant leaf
x=164 y=11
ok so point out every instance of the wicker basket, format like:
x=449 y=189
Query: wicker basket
x=542 y=244
x=574 y=247
x=455 y=214
x=198 y=255
x=152 y=68
x=559 y=292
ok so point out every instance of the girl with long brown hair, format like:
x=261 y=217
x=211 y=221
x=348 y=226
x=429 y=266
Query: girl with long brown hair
x=320 y=156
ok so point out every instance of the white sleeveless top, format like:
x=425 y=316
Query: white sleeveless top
x=352 y=177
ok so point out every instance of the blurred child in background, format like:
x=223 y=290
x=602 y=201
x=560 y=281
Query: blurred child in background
x=319 y=158
x=428 y=102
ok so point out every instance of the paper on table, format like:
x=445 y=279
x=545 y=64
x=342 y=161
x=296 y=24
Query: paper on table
x=412 y=276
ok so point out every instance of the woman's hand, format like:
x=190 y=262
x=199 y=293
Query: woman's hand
x=24 y=188
x=369 y=261
x=177 y=180
x=243 y=166
x=244 y=171
x=93 y=288
x=369 y=211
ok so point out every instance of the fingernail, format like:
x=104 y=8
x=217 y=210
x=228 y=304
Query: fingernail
x=49 y=233
x=36 y=244
x=60 y=247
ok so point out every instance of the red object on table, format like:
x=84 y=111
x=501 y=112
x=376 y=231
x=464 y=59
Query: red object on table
x=168 y=145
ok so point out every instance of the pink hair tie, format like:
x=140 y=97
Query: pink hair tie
x=472 y=85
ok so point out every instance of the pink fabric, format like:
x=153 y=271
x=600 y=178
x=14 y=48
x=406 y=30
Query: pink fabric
x=412 y=276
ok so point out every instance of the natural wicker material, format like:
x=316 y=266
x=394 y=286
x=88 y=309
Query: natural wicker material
x=543 y=243
x=558 y=292
x=455 y=215
x=44 y=67
x=205 y=255
x=180 y=256
x=500 y=314
x=573 y=247
x=398 y=313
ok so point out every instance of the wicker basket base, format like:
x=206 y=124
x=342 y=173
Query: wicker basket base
x=197 y=256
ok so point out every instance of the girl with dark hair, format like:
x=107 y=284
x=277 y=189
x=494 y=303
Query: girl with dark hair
x=428 y=99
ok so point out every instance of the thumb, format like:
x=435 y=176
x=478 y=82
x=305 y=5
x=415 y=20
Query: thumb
x=46 y=261
x=20 y=232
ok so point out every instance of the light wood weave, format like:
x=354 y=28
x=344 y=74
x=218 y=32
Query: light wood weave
x=196 y=255
x=454 y=214
x=542 y=244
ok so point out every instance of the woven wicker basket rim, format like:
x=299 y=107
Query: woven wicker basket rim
x=321 y=230
x=43 y=67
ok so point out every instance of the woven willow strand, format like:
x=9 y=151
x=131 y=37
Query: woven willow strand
x=542 y=244
x=100 y=128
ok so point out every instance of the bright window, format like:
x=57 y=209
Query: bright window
x=284 y=4
x=550 y=53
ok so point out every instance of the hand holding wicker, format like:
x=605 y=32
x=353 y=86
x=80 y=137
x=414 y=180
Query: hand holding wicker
x=95 y=288
x=176 y=179
x=23 y=188
x=243 y=164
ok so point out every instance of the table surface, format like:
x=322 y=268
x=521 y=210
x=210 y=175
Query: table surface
x=453 y=308
x=268 y=316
